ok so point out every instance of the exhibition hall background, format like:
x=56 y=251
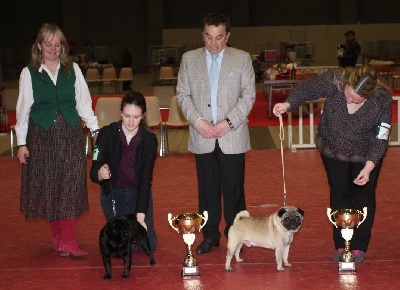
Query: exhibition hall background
x=142 y=23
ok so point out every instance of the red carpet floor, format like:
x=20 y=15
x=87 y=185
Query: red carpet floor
x=258 y=116
x=27 y=260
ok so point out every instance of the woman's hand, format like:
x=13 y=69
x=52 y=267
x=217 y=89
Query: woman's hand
x=363 y=176
x=140 y=218
x=280 y=108
x=22 y=154
x=104 y=172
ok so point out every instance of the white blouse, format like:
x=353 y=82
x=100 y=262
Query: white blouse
x=25 y=101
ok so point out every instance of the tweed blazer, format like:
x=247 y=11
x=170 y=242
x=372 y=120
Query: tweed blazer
x=236 y=97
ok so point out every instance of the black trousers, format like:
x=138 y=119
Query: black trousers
x=345 y=194
x=220 y=174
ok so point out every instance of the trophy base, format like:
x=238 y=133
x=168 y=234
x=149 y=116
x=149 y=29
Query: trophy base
x=347 y=268
x=189 y=272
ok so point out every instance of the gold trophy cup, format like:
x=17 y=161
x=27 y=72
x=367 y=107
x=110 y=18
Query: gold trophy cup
x=188 y=224
x=347 y=219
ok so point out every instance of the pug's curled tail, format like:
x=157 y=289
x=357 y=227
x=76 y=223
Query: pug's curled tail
x=242 y=214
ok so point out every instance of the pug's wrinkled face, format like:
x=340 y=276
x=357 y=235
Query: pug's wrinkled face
x=291 y=218
x=121 y=229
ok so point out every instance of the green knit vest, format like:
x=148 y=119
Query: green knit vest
x=49 y=98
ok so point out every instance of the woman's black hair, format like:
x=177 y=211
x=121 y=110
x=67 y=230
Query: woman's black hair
x=137 y=99
x=134 y=98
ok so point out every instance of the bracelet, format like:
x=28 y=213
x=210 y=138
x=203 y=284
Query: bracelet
x=95 y=132
x=19 y=146
x=229 y=123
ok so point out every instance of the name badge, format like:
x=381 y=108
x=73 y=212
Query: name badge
x=95 y=153
x=383 y=131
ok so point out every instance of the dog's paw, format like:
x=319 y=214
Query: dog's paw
x=280 y=269
x=152 y=262
x=239 y=260
x=229 y=269
x=107 y=276
x=125 y=276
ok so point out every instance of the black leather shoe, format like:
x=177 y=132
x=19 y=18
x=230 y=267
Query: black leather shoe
x=206 y=246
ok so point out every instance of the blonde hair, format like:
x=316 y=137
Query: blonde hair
x=46 y=30
x=364 y=80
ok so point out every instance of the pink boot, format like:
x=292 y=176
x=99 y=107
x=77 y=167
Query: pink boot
x=68 y=245
x=56 y=231
x=56 y=243
x=71 y=248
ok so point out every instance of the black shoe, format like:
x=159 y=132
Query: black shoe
x=206 y=246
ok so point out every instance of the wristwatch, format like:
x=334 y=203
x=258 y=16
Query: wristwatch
x=229 y=123
x=95 y=132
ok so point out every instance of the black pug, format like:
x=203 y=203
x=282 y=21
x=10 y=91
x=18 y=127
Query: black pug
x=115 y=240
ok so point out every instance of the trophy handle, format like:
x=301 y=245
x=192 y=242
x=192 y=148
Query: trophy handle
x=205 y=218
x=364 y=216
x=329 y=214
x=170 y=222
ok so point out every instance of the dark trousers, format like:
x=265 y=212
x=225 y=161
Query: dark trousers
x=220 y=174
x=345 y=194
x=125 y=203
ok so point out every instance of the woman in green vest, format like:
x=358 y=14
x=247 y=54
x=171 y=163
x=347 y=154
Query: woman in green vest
x=53 y=96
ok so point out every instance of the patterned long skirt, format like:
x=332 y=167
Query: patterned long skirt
x=54 y=184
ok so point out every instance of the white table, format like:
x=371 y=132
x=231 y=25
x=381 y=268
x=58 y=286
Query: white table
x=278 y=85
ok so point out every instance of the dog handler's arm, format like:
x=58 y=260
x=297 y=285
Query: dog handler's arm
x=100 y=168
x=363 y=176
x=140 y=218
x=104 y=172
x=23 y=153
x=280 y=108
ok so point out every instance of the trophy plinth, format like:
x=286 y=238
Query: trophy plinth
x=188 y=224
x=347 y=219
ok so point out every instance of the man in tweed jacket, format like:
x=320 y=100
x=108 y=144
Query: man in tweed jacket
x=220 y=142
